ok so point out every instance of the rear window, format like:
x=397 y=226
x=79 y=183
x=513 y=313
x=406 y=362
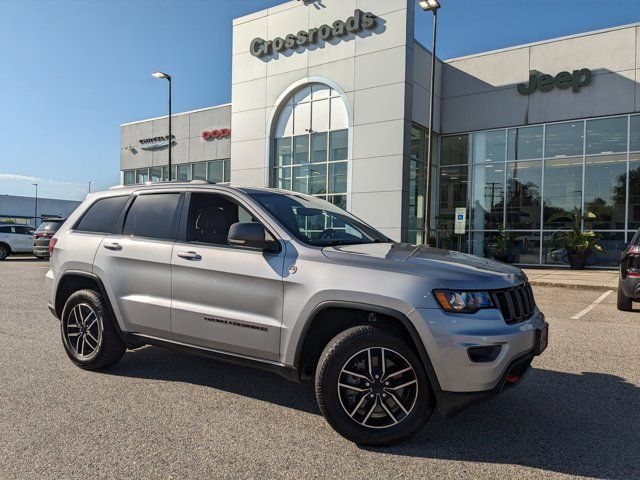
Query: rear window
x=152 y=216
x=49 y=226
x=102 y=215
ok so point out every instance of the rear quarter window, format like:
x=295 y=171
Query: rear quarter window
x=102 y=215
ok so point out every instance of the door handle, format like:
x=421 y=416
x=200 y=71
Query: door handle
x=189 y=255
x=113 y=246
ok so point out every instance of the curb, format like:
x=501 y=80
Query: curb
x=599 y=288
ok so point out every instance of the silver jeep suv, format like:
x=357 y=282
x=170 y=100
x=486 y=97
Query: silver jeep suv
x=292 y=284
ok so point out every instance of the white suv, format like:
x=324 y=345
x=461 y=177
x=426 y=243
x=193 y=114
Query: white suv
x=292 y=284
x=15 y=239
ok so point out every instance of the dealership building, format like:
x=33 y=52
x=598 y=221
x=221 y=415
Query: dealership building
x=331 y=98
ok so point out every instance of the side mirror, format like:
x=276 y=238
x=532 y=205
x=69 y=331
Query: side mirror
x=250 y=235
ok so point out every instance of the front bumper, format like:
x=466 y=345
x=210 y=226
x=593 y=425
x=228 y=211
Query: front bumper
x=449 y=340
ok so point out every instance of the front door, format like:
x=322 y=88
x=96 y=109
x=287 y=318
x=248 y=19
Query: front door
x=225 y=298
x=137 y=263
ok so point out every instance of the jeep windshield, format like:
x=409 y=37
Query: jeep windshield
x=317 y=222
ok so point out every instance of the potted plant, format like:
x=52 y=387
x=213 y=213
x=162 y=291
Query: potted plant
x=577 y=243
x=501 y=245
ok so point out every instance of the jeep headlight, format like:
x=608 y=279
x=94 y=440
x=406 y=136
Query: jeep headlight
x=463 y=302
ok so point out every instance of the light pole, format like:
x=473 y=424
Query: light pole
x=429 y=6
x=168 y=77
x=35 y=210
x=90 y=182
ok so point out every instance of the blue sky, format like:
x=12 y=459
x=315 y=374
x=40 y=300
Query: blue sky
x=73 y=70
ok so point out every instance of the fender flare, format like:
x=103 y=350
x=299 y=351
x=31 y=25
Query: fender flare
x=402 y=318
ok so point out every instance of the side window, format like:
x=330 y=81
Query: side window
x=102 y=215
x=152 y=216
x=211 y=217
x=5 y=229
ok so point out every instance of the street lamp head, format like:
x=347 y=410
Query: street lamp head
x=429 y=5
x=161 y=75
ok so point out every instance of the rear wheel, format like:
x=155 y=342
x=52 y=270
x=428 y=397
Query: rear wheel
x=372 y=388
x=624 y=303
x=4 y=252
x=88 y=332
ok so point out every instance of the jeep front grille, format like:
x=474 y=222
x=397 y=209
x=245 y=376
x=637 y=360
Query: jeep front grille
x=516 y=304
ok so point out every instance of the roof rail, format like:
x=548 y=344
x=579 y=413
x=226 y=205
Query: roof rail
x=163 y=182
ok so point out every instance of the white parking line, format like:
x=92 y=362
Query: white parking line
x=592 y=306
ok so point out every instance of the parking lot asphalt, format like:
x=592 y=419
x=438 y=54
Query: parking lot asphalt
x=161 y=414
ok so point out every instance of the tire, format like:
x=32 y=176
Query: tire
x=624 y=303
x=4 y=252
x=369 y=422
x=88 y=332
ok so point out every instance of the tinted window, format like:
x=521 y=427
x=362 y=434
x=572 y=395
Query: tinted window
x=49 y=226
x=152 y=216
x=102 y=215
x=5 y=230
x=211 y=217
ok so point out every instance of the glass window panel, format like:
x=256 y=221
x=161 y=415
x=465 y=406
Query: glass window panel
x=301 y=118
x=634 y=191
x=227 y=170
x=524 y=247
x=282 y=178
x=284 y=127
x=339 y=116
x=562 y=189
x=416 y=196
x=634 y=133
x=283 y=151
x=155 y=174
x=165 y=174
x=102 y=215
x=339 y=145
x=303 y=95
x=607 y=135
x=301 y=149
x=184 y=172
x=129 y=177
x=489 y=146
x=338 y=177
x=564 y=139
x=338 y=201
x=524 y=192
x=318 y=147
x=454 y=150
x=215 y=171
x=605 y=186
x=142 y=175
x=320 y=90
x=320 y=115
x=524 y=143
x=487 y=199
x=553 y=252
x=418 y=143
x=199 y=171
x=453 y=193
x=152 y=216
x=310 y=179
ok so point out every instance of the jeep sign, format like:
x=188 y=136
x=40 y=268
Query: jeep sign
x=562 y=81
x=360 y=21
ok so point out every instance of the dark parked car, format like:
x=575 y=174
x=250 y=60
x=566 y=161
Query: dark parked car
x=43 y=234
x=629 y=280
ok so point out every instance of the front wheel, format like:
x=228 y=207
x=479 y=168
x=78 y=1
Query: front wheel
x=88 y=332
x=4 y=252
x=372 y=388
x=624 y=303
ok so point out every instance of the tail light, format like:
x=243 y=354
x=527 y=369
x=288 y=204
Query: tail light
x=634 y=249
x=52 y=244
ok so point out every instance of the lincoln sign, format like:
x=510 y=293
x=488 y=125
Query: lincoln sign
x=358 y=22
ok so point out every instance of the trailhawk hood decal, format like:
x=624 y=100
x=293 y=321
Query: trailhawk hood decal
x=453 y=269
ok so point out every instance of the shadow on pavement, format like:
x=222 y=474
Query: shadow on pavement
x=580 y=424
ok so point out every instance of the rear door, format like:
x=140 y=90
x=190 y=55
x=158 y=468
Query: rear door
x=224 y=297
x=136 y=262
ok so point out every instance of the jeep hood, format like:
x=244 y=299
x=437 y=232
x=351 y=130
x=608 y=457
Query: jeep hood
x=452 y=269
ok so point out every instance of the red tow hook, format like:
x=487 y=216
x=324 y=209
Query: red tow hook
x=512 y=378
